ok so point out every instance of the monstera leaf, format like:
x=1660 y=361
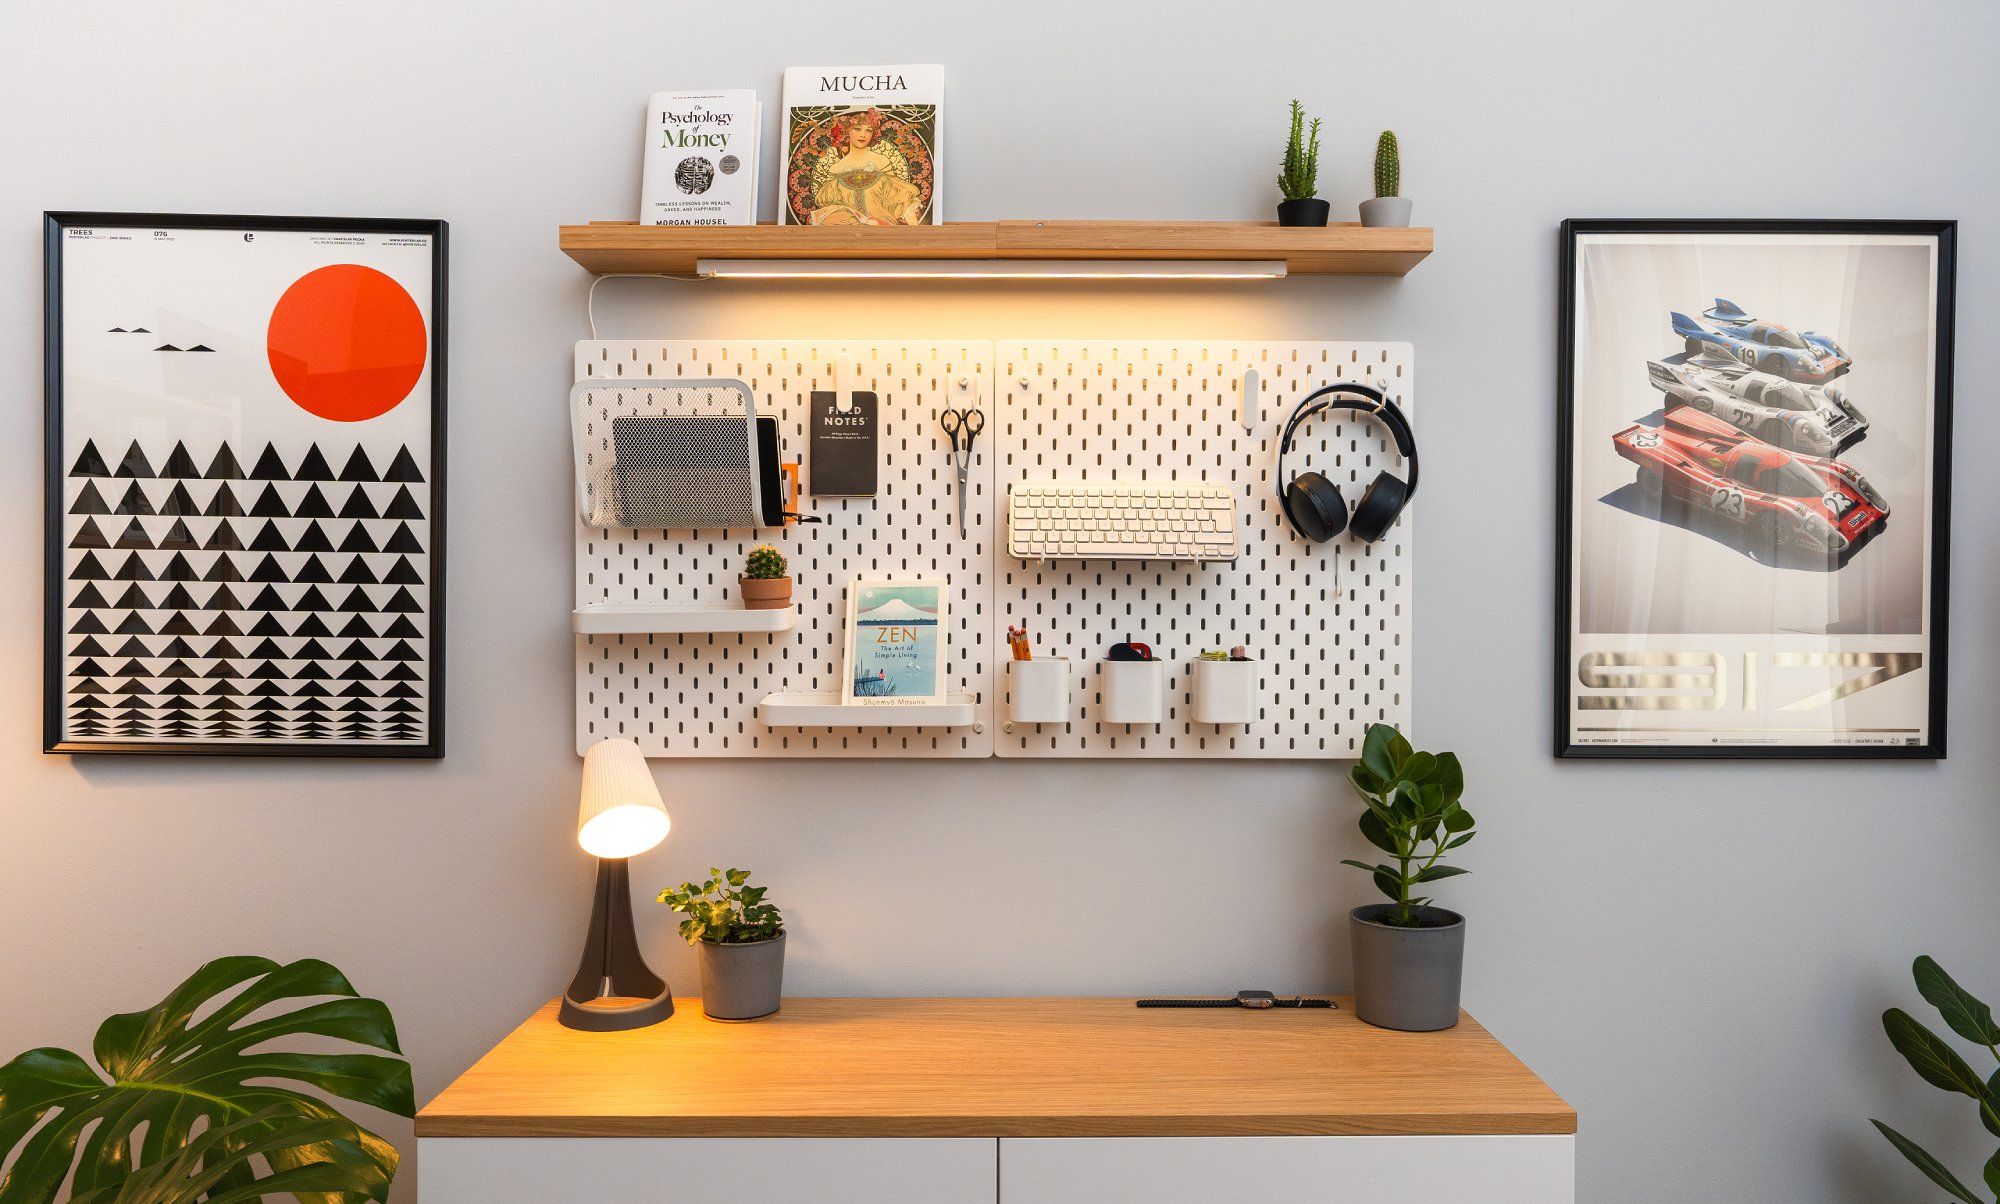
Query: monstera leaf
x=172 y=1074
x=213 y=1155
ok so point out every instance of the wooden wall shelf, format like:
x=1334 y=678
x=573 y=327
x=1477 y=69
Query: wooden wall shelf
x=1338 y=250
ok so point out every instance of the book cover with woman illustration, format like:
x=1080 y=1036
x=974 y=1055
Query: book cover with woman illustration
x=862 y=146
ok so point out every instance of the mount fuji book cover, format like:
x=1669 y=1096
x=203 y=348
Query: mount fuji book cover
x=895 y=643
x=701 y=159
x=862 y=146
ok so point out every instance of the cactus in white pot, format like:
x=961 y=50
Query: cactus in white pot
x=1388 y=207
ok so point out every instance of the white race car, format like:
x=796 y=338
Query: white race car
x=1817 y=420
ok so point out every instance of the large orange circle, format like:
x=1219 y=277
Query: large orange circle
x=346 y=342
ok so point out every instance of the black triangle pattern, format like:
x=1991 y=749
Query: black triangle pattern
x=135 y=500
x=180 y=466
x=224 y=467
x=358 y=468
x=90 y=462
x=403 y=468
x=166 y=644
x=313 y=467
x=134 y=464
x=88 y=536
x=89 y=501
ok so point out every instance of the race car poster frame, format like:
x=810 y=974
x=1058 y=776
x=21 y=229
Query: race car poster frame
x=1694 y=696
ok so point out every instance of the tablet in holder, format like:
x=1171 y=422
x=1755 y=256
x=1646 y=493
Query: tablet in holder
x=695 y=470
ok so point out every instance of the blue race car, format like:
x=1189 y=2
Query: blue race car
x=1766 y=346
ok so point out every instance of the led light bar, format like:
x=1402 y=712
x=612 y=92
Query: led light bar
x=990 y=269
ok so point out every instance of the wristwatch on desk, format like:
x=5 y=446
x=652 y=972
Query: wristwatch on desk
x=1243 y=999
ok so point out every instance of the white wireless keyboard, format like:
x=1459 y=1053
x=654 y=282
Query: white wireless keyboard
x=1153 y=520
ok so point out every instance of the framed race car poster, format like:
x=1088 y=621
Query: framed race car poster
x=245 y=485
x=1754 y=488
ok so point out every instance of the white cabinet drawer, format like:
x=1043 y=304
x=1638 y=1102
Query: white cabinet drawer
x=1336 y=1170
x=645 y=1170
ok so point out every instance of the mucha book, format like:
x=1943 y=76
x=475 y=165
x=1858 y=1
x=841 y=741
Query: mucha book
x=701 y=159
x=862 y=146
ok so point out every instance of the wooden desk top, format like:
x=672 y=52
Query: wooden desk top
x=995 y=1068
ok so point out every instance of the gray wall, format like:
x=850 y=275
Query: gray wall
x=1693 y=955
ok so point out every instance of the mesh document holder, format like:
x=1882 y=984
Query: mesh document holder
x=666 y=454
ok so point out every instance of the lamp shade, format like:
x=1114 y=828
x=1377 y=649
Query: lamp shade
x=621 y=814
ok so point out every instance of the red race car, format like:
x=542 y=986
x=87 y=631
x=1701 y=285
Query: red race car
x=1778 y=499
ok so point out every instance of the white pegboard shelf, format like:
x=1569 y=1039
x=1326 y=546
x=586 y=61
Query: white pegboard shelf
x=696 y=695
x=642 y=618
x=826 y=710
x=1329 y=624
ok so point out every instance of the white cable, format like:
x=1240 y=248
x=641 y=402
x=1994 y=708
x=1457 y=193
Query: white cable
x=590 y=299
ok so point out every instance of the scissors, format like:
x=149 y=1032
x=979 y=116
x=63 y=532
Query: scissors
x=961 y=427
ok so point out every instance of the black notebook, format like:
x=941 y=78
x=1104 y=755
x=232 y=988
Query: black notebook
x=843 y=455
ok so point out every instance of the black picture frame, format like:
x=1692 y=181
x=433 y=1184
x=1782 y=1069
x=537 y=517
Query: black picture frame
x=1565 y=678
x=54 y=223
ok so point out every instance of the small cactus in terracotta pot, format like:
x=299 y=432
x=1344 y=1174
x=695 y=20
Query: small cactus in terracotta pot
x=767 y=579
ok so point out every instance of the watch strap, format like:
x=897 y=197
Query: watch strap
x=1295 y=1001
x=1187 y=1003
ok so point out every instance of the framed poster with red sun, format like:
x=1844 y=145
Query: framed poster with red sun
x=245 y=485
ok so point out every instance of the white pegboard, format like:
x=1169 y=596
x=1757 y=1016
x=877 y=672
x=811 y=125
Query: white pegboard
x=1330 y=624
x=696 y=695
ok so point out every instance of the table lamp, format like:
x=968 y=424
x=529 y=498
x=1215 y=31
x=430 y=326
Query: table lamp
x=621 y=816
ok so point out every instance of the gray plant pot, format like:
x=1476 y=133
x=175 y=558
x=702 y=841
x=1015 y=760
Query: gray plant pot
x=1407 y=978
x=742 y=982
x=1386 y=211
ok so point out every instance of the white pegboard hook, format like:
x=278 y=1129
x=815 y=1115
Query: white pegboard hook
x=844 y=380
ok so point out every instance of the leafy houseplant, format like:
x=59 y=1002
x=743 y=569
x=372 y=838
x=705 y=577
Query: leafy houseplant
x=1412 y=802
x=1941 y=1066
x=1408 y=955
x=741 y=940
x=169 y=1072
x=1389 y=207
x=197 y=1170
x=1298 y=182
x=766 y=580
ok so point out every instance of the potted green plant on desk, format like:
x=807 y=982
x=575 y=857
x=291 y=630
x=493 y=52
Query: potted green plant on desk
x=1408 y=955
x=742 y=943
